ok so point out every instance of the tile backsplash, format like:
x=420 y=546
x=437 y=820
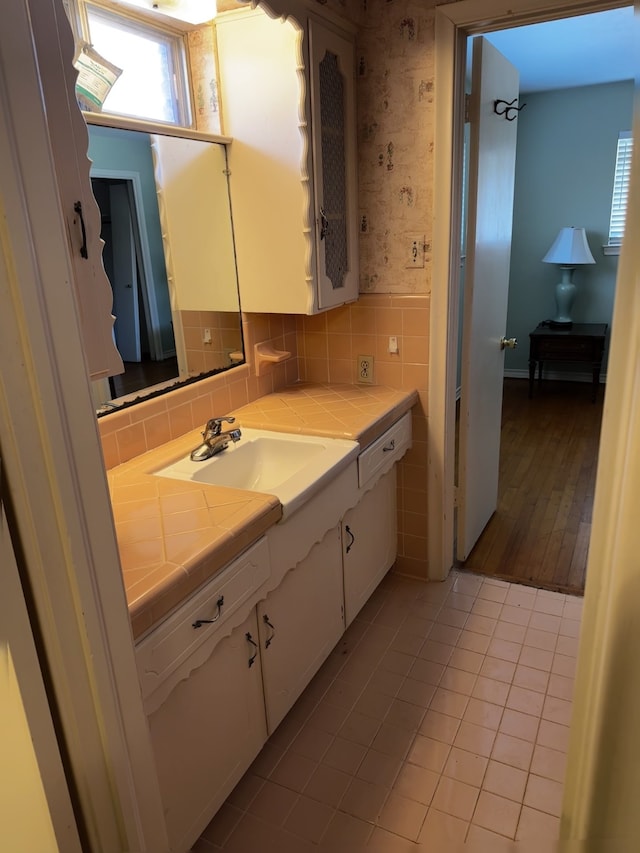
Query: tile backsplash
x=323 y=348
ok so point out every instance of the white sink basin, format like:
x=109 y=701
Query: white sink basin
x=292 y=467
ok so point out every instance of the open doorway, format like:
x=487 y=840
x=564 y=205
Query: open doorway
x=136 y=334
x=551 y=525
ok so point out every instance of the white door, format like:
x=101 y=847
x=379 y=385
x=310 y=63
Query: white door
x=492 y=155
x=124 y=280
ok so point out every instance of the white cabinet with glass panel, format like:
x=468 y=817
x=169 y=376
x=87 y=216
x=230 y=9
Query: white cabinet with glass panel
x=288 y=101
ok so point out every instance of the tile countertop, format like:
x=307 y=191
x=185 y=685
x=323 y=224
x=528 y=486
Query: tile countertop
x=173 y=535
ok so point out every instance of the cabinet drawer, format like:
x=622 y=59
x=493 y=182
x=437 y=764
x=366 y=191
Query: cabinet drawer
x=580 y=350
x=167 y=647
x=382 y=453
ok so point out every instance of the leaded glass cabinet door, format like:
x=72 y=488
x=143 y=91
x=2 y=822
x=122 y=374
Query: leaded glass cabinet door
x=333 y=122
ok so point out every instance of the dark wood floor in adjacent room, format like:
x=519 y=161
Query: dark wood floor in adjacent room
x=540 y=532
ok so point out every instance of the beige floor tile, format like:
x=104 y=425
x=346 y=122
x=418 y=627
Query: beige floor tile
x=512 y=750
x=345 y=832
x=436 y=652
x=486 y=608
x=537 y=826
x=312 y=743
x=402 y=816
x=497 y=814
x=439 y=726
x=510 y=631
x=505 y=781
x=417 y=692
x=449 y=702
x=560 y=686
x=293 y=771
x=364 y=800
x=527 y=701
x=557 y=710
x=327 y=785
x=545 y=795
x=328 y=717
x=499 y=670
x=359 y=728
x=427 y=671
x=545 y=622
x=373 y=703
x=273 y=803
x=481 y=624
x=515 y=615
x=568 y=646
x=459 y=601
x=473 y=642
x=458 y=681
x=223 y=824
x=536 y=658
x=540 y=639
x=383 y=841
x=530 y=678
x=455 y=798
x=553 y=735
x=467 y=660
x=474 y=738
x=393 y=741
x=404 y=715
x=550 y=763
x=245 y=790
x=490 y=690
x=416 y=783
x=429 y=753
x=483 y=713
x=386 y=682
x=493 y=593
x=466 y=767
x=446 y=634
x=442 y=831
x=481 y=840
x=379 y=768
x=309 y=819
x=520 y=725
x=344 y=755
x=504 y=650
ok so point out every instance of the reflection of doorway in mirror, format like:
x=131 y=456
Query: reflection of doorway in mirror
x=136 y=328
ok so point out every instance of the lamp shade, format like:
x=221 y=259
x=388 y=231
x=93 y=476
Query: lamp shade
x=570 y=248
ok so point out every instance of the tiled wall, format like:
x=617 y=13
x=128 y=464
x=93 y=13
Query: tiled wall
x=225 y=339
x=132 y=431
x=328 y=346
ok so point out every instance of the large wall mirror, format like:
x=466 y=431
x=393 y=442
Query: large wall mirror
x=169 y=255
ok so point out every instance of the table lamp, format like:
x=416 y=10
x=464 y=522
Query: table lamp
x=570 y=249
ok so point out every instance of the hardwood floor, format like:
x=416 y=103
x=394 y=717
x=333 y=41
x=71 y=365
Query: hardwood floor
x=539 y=534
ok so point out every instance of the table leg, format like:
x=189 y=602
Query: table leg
x=532 y=376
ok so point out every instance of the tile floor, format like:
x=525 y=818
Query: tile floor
x=441 y=717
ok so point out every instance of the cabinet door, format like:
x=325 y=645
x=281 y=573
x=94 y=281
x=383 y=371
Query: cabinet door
x=300 y=622
x=369 y=543
x=207 y=732
x=332 y=67
x=69 y=144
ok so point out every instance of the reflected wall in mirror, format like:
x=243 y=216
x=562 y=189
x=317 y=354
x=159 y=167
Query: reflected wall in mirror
x=169 y=255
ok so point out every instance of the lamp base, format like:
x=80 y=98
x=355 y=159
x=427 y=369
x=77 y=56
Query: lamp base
x=560 y=324
x=565 y=292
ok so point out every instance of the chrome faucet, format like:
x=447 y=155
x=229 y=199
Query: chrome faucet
x=215 y=441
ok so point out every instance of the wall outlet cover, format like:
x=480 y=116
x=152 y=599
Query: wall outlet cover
x=364 y=369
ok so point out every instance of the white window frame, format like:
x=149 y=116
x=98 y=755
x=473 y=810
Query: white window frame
x=620 y=192
x=175 y=38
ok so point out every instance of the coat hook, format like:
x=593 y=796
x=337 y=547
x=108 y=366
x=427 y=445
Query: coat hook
x=508 y=107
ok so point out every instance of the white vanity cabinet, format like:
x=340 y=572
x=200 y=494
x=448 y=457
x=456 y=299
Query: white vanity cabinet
x=287 y=89
x=369 y=543
x=300 y=622
x=207 y=732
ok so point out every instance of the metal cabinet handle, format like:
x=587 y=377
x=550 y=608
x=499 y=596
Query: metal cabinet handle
x=267 y=642
x=83 y=249
x=324 y=224
x=353 y=538
x=200 y=622
x=252 y=658
x=390 y=446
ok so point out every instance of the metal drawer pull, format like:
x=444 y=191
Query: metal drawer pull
x=255 y=646
x=77 y=207
x=200 y=622
x=267 y=642
x=390 y=446
x=353 y=538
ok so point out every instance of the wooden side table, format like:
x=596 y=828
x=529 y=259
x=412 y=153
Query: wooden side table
x=582 y=342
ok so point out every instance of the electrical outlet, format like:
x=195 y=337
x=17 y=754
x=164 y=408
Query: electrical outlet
x=415 y=251
x=364 y=367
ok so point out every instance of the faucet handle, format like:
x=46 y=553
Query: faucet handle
x=214 y=425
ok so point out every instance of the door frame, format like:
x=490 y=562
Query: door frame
x=143 y=254
x=454 y=23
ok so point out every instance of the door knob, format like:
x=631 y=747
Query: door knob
x=508 y=343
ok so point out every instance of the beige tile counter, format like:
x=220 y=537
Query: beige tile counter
x=173 y=535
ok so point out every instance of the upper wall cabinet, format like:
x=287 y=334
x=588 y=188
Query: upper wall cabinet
x=287 y=93
x=69 y=143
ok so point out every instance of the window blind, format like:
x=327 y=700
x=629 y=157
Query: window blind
x=620 y=188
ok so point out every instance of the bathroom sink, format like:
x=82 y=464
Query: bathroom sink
x=292 y=467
